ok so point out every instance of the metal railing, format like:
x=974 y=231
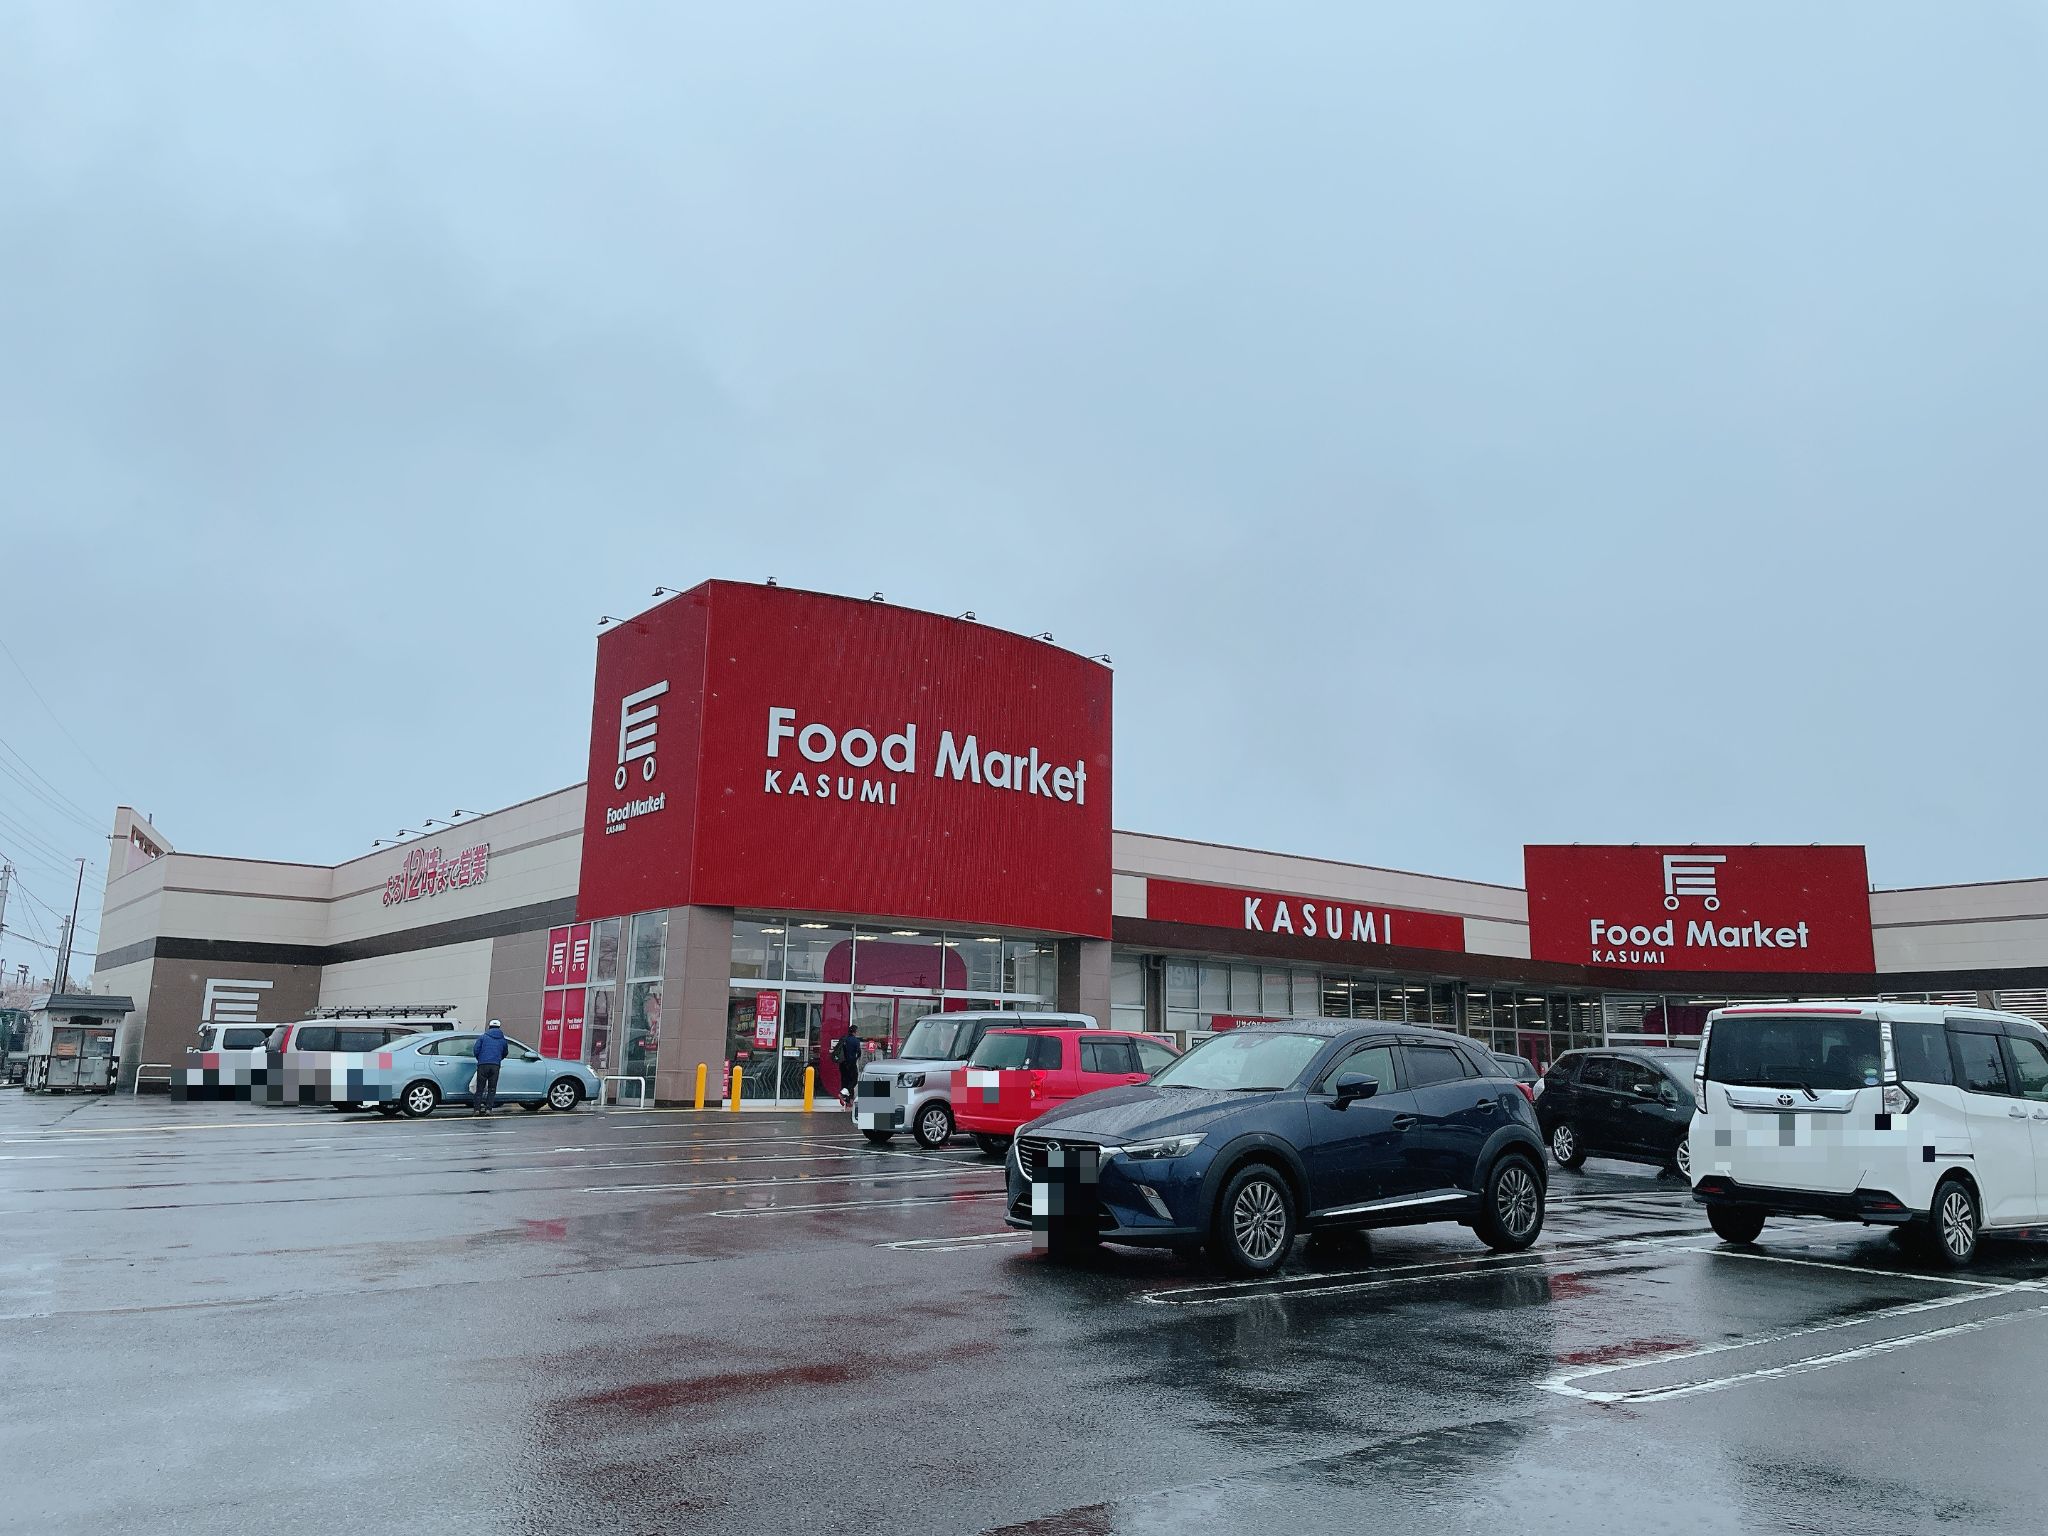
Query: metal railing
x=151 y=1066
x=640 y=1085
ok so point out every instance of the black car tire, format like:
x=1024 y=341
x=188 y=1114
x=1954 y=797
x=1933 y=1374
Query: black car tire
x=879 y=1138
x=1735 y=1223
x=991 y=1146
x=934 y=1127
x=1511 y=1204
x=419 y=1100
x=1681 y=1161
x=1565 y=1145
x=1253 y=1228
x=564 y=1094
x=1953 y=1221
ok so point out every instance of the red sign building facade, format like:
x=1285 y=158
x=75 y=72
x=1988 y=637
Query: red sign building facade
x=1701 y=908
x=769 y=748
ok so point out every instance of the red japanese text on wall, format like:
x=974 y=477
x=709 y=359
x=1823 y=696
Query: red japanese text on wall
x=429 y=872
x=1701 y=908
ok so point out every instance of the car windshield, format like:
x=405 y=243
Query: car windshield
x=1001 y=1050
x=1243 y=1060
x=1804 y=1051
x=936 y=1038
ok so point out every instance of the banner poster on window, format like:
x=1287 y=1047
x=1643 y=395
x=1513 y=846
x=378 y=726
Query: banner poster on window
x=572 y=1024
x=551 y=1024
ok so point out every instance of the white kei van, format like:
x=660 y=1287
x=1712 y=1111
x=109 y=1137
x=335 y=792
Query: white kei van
x=1930 y=1120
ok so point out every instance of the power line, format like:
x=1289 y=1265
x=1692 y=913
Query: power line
x=34 y=842
x=52 y=802
x=32 y=688
x=50 y=783
x=43 y=852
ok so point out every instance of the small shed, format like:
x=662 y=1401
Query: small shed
x=74 y=1042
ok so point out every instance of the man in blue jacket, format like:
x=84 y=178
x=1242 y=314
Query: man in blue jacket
x=490 y=1054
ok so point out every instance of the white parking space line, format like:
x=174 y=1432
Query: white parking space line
x=1859 y=1269
x=926 y=1201
x=1320 y=1285
x=1565 y=1383
x=955 y=1244
x=800 y=1181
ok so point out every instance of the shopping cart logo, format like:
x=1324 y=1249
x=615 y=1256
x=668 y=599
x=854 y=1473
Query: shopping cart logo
x=1693 y=874
x=639 y=716
x=228 y=1000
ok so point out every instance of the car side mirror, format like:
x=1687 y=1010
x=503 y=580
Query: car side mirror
x=1646 y=1090
x=1354 y=1085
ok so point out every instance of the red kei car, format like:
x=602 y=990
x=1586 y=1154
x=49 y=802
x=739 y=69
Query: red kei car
x=1016 y=1075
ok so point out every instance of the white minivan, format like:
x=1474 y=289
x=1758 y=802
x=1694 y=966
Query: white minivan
x=1930 y=1120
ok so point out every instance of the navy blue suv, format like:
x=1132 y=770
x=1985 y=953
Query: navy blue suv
x=1275 y=1129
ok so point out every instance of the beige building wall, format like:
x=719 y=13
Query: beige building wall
x=1997 y=926
x=457 y=974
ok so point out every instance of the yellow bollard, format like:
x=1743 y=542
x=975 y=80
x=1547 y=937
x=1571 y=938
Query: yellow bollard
x=733 y=1103
x=702 y=1071
x=810 y=1086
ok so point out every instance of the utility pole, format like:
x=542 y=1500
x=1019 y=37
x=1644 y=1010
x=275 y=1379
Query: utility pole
x=6 y=874
x=70 y=926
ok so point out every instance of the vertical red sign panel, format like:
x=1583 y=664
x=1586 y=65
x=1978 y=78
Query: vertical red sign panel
x=558 y=957
x=579 y=955
x=572 y=1026
x=767 y=1018
x=551 y=1024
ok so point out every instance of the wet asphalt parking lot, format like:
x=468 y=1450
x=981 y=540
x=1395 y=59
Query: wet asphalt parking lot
x=231 y=1318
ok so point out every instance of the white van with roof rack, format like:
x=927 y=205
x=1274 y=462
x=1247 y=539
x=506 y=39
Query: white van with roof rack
x=1930 y=1120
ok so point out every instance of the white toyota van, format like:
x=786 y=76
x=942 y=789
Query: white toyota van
x=1929 y=1120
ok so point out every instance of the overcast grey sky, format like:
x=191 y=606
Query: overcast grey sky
x=1463 y=424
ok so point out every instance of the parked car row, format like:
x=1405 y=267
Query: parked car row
x=397 y=1065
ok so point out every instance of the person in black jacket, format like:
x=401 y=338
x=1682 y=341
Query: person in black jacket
x=846 y=1052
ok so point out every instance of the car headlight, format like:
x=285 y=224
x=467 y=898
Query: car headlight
x=1153 y=1151
x=911 y=1079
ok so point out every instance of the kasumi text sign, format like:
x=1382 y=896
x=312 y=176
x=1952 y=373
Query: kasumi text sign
x=1306 y=917
x=763 y=747
x=1701 y=909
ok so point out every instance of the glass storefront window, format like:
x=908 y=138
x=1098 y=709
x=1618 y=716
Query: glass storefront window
x=980 y=960
x=819 y=952
x=757 y=949
x=905 y=957
x=1336 y=997
x=1308 y=995
x=1032 y=970
x=1273 y=991
x=604 y=951
x=1212 y=987
x=650 y=945
x=641 y=1029
x=1244 y=989
x=1181 y=984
